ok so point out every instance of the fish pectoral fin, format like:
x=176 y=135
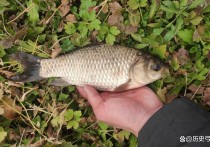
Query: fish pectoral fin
x=59 y=82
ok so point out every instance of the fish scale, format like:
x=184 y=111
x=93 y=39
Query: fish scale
x=101 y=66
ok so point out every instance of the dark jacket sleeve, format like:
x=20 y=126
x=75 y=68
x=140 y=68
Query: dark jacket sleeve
x=180 y=123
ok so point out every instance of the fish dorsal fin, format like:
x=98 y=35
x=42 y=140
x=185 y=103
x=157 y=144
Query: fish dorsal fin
x=59 y=82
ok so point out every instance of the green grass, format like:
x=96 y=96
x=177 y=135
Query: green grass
x=178 y=32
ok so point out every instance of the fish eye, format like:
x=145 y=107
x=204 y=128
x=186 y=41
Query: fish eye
x=156 y=67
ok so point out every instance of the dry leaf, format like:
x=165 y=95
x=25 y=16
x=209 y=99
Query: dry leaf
x=183 y=56
x=1 y=110
x=64 y=2
x=71 y=18
x=196 y=35
x=129 y=29
x=208 y=55
x=93 y=36
x=93 y=8
x=8 y=42
x=8 y=74
x=64 y=10
x=197 y=89
x=115 y=8
x=105 y=9
x=16 y=84
x=113 y=19
x=207 y=95
x=1 y=91
x=61 y=26
x=21 y=33
x=55 y=52
x=10 y=108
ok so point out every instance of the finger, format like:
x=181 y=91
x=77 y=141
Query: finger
x=81 y=91
x=93 y=96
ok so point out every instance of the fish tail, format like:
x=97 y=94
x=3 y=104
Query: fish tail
x=31 y=65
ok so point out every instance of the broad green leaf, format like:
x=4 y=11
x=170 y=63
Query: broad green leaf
x=168 y=6
x=103 y=126
x=206 y=9
x=73 y=124
x=160 y=51
x=114 y=30
x=31 y=47
x=83 y=29
x=170 y=34
x=2 y=52
x=1 y=80
x=133 y=4
x=66 y=45
x=193 y=49
x=183 y=3
x=151 y=41
x=86 y=4
x=136 y=37
x=104 y=29
x=55 y=121
x=70 y=28
x=89 y=16
x=153 y=9
x=134 y=19
x=33 y=12
x=195 y=21
x=161 y=92
x=166 y=9
x=77 y=115
x=3 y=134
x=202 y=75
x=179 y=24
x=68 y=115
x=176 y=4
x=157 y=31
x=95 y=24
x=110 y=39
x=174 y=64
x=122 y=135
x=3 y=4
x=143 y=3
x=133 y=141
x=195 y=3
x=62 y=97
x=140 y=45
x=109 y=143
x=71 y=88
x=186 y=35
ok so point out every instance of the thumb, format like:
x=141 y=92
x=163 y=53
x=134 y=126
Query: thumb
x=93 y=96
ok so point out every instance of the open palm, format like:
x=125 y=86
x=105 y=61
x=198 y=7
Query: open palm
x=127 y=110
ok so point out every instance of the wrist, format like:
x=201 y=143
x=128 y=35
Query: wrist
x=141 y=122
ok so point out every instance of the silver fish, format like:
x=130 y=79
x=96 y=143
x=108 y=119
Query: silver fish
x=105 y=67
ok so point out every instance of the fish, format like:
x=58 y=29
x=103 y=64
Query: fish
x=105 y=67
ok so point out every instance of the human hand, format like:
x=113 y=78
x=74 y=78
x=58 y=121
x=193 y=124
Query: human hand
x=128 y=110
